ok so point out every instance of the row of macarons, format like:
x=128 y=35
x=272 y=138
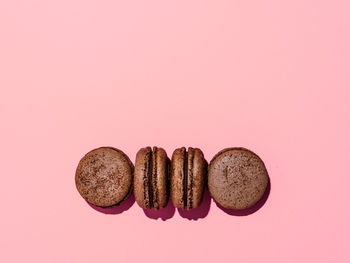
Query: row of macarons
x=236 y=177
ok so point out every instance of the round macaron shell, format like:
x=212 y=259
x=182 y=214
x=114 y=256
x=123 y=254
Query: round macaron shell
x=141 y=178
x=104 y=176
x=196 y=187
x=177 y=177
x=237 y=178
x=161 y=182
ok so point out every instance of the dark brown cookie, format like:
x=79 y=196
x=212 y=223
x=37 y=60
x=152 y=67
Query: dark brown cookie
x=151 y=178
x=237 y=178
x=188 y=172
x=104 y=177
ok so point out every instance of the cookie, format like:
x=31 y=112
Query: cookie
x=104 y=177
x=188 y=175
x=151 y=178
x=237 y=178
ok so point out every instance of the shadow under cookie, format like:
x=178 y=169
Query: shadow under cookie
x=163 y=213
x=200 y=212
x=118 y=209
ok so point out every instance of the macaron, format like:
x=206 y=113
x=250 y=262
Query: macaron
x=104 y=177
x=188 y=177
x=151 y=178
x=237 y=178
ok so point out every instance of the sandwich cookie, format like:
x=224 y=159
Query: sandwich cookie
x=104 y=177
x=188 y=176
x=151 y=178
x=237 y=178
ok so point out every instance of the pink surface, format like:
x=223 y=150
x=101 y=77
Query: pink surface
x=272 y=76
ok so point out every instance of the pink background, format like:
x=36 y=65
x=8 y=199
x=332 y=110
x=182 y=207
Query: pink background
x=271 y=75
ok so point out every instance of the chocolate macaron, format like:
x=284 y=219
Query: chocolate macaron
x=104 y=177
x=151 y=178
x=237 y=178
x=188 y=177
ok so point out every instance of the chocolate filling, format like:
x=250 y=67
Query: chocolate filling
x=154 y=182
x=149 y=175
x=191 y=181
x=185 y=178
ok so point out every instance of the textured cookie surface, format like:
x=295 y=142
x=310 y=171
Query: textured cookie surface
x=237 y=178
x=104 y=176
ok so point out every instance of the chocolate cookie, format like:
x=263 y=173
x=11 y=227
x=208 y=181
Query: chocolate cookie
x=237 y=178
x=151 y=178
x=188 y=174
x=104 y=177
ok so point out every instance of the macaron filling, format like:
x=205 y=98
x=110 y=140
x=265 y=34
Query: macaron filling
x=150 y=180
x=190 y=156
x=149 y=175
x=185 y=181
